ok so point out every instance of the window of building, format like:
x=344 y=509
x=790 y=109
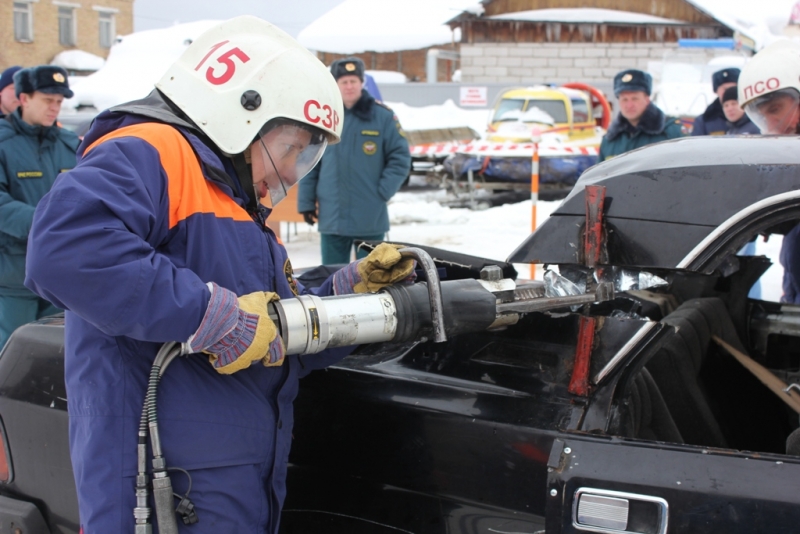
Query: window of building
x=107 y=30
x=66 y=26
x=23 y=22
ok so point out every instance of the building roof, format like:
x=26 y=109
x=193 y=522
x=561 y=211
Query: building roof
x=585 y=15
x=356 y=26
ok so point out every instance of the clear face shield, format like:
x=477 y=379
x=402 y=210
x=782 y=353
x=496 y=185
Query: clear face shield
x=776 y=113
x=284 y=152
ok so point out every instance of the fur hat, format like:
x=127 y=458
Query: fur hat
x=351 y=66
x=633 y=80
x=724 y=76
x=44 y=78
x=731 y=93
x=7 y=78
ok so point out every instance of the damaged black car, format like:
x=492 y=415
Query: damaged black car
x=636 y=388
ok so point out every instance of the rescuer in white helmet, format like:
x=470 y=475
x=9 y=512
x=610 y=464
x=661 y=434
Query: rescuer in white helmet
x=769 y=92
x=769 y=88
x=157 y=235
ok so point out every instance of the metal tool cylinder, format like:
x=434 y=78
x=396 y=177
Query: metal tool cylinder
x=310 y=324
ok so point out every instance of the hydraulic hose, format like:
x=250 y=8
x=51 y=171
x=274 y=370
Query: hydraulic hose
x=162 y=485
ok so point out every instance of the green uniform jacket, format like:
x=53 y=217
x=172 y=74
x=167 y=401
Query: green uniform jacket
x=653 y=127
x=30 y=159
x=356 y=177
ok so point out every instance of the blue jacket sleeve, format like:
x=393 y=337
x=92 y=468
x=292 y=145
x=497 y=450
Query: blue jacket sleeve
x=93 y=247
x=699 y=126
x=397 y=159
x=307 y=190
x=15 y=216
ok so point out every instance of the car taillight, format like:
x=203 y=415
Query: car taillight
x=5 y=458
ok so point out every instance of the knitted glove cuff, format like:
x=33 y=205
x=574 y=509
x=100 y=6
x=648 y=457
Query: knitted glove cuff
x=221 y=317
x=345 y=279
x=232 y=346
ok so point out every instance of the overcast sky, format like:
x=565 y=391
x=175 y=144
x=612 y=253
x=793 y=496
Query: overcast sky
x=289 y=15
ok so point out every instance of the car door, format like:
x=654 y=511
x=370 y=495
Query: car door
x=604 y=483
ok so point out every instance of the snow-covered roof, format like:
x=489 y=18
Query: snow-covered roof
x=78 y=60
x=585 y=15
x=763 y=22
x=356 y=26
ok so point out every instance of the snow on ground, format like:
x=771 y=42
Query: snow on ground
x=419 y=218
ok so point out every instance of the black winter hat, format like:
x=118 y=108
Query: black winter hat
x=44 y=78
x=731 y=93
x=7 y=78
x=725 y=76
x=351 y=66
x=632 y=80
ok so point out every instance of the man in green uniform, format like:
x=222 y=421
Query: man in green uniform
x=33 y=151
x=639 y=122
x=358 y=176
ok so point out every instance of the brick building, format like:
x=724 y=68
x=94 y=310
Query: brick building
x=34 y=31
x=555 y=41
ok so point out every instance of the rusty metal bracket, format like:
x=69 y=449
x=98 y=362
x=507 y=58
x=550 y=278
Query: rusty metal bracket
x=579 y=383
x=594 y=243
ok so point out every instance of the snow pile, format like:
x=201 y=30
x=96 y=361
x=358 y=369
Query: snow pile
x=356 y=26
x=585 y=15
x=135 y=64
x=78 y=60
x=417 y=218
x=447 y=115
x=387 y=76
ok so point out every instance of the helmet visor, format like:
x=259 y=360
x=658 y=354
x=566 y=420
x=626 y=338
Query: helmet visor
x=776 y=113
x=283 y=153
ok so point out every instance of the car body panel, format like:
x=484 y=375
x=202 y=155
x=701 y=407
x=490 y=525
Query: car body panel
x=652 y=221
x=707 y=490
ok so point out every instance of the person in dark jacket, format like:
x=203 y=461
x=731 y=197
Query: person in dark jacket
x=712 y=121
x=737 y=121
x=8 y=95
x=33 y=151
x=158 y=235
x=348 y=191
x=639 y=122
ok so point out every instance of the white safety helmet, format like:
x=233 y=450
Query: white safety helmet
x=244 y=80
x=769 y=88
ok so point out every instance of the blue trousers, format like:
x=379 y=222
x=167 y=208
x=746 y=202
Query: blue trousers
x=17 y=311
x=338 y=248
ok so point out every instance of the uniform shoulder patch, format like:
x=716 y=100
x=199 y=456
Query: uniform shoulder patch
x=289 y=273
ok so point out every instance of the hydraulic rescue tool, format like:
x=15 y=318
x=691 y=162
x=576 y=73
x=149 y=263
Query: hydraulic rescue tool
x=307 y=324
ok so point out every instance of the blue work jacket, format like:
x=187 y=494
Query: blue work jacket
x=126 y=243
x=30 y=159
x=357 y=177
x=712 y=121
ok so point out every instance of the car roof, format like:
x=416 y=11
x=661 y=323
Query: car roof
x=663 y=200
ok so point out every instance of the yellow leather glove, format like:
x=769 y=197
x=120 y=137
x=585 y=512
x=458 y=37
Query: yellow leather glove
x=382 y=267
x=235 y=332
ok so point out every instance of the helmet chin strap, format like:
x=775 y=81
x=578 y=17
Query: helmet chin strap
x=245 y=173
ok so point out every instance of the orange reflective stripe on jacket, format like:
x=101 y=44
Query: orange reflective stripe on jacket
x=188 y=190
